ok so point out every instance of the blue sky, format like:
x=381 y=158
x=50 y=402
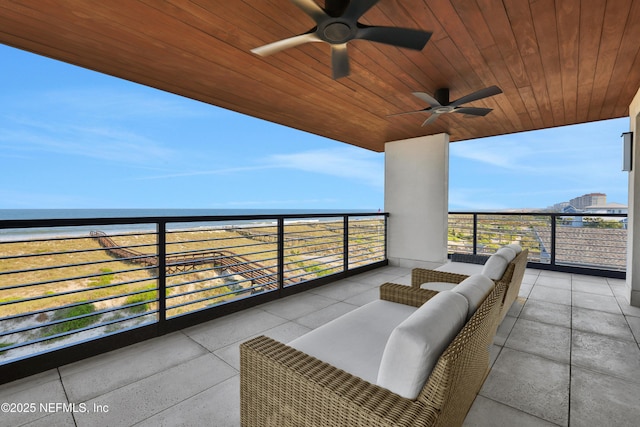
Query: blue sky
x=73 y=138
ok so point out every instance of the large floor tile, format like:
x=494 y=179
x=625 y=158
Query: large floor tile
x=634 y=323
x=592 y=287
x=221 y=332
x=217 y=406
x=516 y=307
x=92 y=377
x=607 y=355
x=489 y=413
x=342 y=289
x=54 y=419
x=325 y=315
x=600 y=322
x=9 y=389
x=365 y=297
x=545 y=293
x=140 y=400
x=627 y=310
x=297 y=305
x=547 y=312
x=530 y=276
x=555 y=282
x=525 y=290
x=550 y=341
x=603 y=400
x=504 y=330
x=283 y=333
x=530 y=383
x=596 y=302
x=44 y=389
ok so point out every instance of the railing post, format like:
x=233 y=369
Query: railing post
x=345 y=242
x=280 y=254
x=475 y=234
x=162 y=276
x=553 y=239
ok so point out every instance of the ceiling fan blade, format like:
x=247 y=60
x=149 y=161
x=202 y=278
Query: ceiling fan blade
x=473 y=111
x=430 y=119
x=401 y=37
x=275 y=47
x=408 y=112
x=339 y=60
x=482 y=93
x=428 y=99
x=357 y=8
x=312 y=9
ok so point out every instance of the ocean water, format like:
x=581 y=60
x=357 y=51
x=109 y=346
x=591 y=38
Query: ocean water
x=6 y=214
x=13 y=234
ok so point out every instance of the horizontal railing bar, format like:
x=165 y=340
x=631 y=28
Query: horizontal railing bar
x=202 y=270
x=80 y=264
x=225 y=277
x=59 y=238
x=221 y=250
x=66 y=222
x=78 y=251
x=89 y=276
x=377 y=257
x=75 y=331
x=61 y=307
x=211 y=288
x=68 y=319
x=219 y=239
x=76 y=291
x=239 y=292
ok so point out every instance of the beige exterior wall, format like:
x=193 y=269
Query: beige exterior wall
x=633 y=240
x=417 y=199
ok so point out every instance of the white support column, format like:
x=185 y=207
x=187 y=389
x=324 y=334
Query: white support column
x=417 y=198
x=633 y=232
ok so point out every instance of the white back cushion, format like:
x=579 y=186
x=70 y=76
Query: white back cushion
x=507 y=253
x=516 y=247
x=416 y=344
x=475 y=289
x=495 y=266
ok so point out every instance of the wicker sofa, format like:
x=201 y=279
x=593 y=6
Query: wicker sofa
x=283 y=386
x=455 y=272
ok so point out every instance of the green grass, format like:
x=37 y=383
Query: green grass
x=133 y=299
x=74 y=324
x=103 y=280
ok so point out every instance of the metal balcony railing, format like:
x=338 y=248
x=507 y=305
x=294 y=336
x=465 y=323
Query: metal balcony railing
x=73 y=287
x=590 y=243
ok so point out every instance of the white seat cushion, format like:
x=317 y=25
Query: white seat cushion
x=516 y=247
x=495 y=267
x=460 y=268
x=507 y=253
x=438 y=286
x=416 y=344
x=356 y=341
x=475 y=289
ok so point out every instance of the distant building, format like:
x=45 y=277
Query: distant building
x=591 y=199
x=560 y=207
x=609 y=208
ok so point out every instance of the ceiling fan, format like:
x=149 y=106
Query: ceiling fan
x=439 y=103
x=337 y=24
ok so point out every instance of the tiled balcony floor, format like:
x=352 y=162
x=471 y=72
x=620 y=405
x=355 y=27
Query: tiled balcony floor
x=566 y=355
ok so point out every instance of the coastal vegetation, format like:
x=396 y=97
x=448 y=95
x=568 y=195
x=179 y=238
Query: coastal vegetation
x=52 y=287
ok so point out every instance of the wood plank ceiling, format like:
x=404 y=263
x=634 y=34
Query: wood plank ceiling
x=558 y=62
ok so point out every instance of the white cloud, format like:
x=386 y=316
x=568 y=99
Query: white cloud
x=344 y=162
x=103 y=143
x=347 y=162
